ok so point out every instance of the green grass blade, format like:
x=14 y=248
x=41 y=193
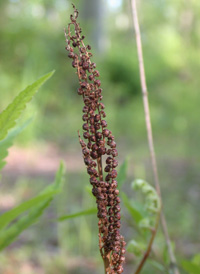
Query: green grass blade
x=9 y=116
x=122 y=173
x=78 y=214
x=58 y=183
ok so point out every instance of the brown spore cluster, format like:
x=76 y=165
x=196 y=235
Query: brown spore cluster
x=99 y=145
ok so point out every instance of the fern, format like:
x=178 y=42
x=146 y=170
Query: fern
x=9 y=116
x=9 y=235
x=12 y=214
x=36 y=205
x=85 y=212
x=6 y=143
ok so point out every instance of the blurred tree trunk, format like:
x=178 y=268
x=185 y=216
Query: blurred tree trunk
x=93 y=15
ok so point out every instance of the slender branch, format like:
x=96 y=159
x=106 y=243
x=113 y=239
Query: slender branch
x=147 y=253
x=106 y=257
x=107 y=263
x=145 y=96
x=173 y=264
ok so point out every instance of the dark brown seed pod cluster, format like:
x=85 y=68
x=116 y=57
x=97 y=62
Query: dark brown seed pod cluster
x=99 y=142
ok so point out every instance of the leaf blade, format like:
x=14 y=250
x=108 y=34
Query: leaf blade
x=6 y=143
x=49 y=192
x=8 y=235
x=9 y=116
x=135 y=213
x=122 y=173
x=78 y=214
x=191 y=267
x=12 y=214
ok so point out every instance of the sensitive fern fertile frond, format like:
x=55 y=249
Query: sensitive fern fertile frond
x=99 y=142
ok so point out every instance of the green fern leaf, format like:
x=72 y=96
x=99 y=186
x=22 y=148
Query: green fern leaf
x=12 y=214
x=36 y=205
x=9 y=116
x=122 y=174
x=89 y=211
x=7 y=236
x=6 y=143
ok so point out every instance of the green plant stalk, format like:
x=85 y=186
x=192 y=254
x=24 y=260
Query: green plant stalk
x=173 y=264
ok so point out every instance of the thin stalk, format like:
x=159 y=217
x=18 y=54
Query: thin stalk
x=147 y=253
x=107 y=263
x=173 y=264
x=106 y=257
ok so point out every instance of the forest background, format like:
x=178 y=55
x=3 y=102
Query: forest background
x=32 y=43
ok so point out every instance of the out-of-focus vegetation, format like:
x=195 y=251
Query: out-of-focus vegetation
x=32 y=43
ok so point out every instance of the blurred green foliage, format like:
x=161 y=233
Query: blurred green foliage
x=32 y=43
